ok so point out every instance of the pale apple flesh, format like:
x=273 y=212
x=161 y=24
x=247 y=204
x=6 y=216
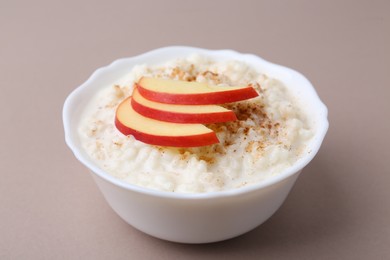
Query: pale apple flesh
x=191 y=93
x=187 y=114
x=161 y=133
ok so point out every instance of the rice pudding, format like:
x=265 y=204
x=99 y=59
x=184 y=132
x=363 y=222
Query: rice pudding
x=270 y=135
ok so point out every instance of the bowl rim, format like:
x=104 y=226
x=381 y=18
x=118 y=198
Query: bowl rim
x=323 y=125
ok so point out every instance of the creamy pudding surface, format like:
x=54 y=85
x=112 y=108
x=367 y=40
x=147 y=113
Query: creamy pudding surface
x=272 y=132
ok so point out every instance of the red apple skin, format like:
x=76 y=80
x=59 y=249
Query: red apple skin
x=210 y=98
x=173 y=141
x=193 y=140
x=206 y=118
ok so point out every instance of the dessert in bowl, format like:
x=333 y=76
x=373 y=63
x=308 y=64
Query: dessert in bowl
x=195 y=167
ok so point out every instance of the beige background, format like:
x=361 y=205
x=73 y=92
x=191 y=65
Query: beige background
x=50 y=207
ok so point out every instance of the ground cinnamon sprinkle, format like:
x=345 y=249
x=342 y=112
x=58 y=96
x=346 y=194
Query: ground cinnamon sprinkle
x=245 y=111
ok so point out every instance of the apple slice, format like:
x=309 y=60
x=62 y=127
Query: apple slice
x=156 y=132
x=191 y=93
x=187 y=114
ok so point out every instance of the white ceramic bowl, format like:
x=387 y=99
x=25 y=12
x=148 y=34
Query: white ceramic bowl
x=193 y=218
